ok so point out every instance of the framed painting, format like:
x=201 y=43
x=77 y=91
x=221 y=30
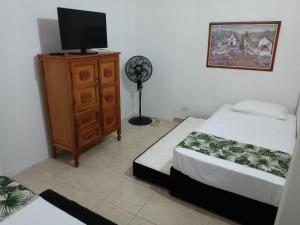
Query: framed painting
x=243 y=45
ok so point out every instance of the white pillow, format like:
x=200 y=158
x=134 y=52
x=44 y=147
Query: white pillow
x=260 y=108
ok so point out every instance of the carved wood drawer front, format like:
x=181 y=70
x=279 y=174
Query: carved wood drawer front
x=108 y=72
x=86 y=98
x=84 y=73
x=86 y=119
x=110 y=119
x=109 y=96
x=88 y=136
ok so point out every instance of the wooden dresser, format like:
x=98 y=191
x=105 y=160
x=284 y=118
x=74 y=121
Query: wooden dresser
x=82 y=97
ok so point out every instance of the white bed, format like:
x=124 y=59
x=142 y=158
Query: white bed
x=40 y=212
x=232 y=177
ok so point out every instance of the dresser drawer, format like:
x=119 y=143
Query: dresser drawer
x=86 y=98
x=84 y=73
x=87 y=118
x=109 y=97
x=108 y=72
x=110 y=120
x=88 y=136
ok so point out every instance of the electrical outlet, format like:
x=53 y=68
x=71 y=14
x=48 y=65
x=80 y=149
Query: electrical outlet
x=185 y=109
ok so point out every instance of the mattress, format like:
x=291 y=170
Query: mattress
x=232 y=177
x=159 y=156
x=40 y=212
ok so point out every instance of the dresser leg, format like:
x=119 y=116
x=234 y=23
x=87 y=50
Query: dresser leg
x=119 y=134
x=54 y=152
x=76 y=162
x=76 y=159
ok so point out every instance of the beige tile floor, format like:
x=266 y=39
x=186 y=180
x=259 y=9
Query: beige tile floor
x=104 y=182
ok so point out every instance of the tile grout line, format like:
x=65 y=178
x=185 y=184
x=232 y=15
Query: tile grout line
x=115 y=189
x=136 y=215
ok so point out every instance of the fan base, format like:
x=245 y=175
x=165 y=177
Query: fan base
x=140 y=121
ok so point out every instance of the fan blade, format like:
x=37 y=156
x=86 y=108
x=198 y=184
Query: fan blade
x=146 y=66
x=139 y=61
x=132 y=64
x=144 y=73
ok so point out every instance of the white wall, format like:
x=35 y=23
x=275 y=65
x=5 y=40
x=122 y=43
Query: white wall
x=174 y=35
x=288 y=213
x=27 y=28
x=1 y=170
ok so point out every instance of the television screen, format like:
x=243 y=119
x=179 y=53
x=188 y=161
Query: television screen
x=82 y=29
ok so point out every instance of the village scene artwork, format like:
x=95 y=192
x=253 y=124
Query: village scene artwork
x=243 y=46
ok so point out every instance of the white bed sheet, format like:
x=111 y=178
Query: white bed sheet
x=40 y=212
x=232 y=177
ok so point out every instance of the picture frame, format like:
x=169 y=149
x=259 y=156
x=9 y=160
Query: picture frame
x=243 y=45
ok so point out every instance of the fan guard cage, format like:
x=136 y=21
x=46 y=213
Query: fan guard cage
x=138 y=68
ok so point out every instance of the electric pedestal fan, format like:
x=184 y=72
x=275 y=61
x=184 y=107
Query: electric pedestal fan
x=139 y=69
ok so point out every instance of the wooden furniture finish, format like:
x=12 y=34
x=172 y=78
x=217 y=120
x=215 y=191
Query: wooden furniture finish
x=82 y=95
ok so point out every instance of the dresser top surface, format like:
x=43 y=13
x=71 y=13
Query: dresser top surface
x=74 y=56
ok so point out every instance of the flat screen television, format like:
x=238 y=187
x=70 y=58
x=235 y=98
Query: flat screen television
x=82 y=29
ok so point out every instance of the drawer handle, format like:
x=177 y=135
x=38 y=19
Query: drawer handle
x=88 y=137
x=109 y=98
x=108 y=72
x=86 y=120
x=109 y=120
x=86 y=97
x=84 y=75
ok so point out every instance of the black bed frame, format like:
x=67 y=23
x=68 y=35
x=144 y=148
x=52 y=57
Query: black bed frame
x=230 y=205
x=150 y=174
x=72 y=208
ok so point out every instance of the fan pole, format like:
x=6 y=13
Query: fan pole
x=140 y=103
x=140 y=120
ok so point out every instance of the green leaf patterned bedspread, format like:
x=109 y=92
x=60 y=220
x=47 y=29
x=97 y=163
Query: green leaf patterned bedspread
x=268 y=160
x=13 y=197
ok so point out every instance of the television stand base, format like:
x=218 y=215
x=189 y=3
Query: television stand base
x=82 y=53
x=57 y=54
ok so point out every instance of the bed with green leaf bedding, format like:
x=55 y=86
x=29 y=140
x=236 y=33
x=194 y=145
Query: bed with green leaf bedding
x=13 y=197
x=20 y=205
x=243 y=154
x=271 y=161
